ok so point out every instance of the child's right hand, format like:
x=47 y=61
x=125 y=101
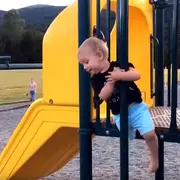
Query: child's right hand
x=115 y=75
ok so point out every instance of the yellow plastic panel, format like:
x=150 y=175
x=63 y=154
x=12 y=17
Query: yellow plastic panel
x=44 y=141
x=60 y=74
x=60 y=66
x=140 y=28
x=139 y=49
x=139 y=43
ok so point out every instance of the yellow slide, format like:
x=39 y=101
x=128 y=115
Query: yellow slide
x=47 y=136
x=44 y=141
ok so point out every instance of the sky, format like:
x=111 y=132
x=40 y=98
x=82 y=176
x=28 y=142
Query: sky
x=16 y=4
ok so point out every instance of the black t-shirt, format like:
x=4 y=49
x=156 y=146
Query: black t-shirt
x=98 y=81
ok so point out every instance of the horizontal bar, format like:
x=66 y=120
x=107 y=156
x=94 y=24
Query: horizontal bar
x=167 y=136
x=20 y=66
x=5 y=57
x=114 y=132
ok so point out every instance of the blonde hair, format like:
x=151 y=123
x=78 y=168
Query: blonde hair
x=97 y=45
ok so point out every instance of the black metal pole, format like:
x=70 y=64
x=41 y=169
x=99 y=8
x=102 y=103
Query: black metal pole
x=108 y=26
x=169 y=85
x=122 y=57
x=108 y=123
x=84 y=97
x=173 y=125
x=98 y=8
x=151 y=64
x=159 y=62
x=160 y=173
x=169 y=59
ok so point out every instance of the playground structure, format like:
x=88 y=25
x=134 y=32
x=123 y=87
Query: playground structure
x=47 y=136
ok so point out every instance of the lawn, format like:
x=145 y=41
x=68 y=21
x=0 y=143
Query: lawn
x=166 y=73
x=14 y=84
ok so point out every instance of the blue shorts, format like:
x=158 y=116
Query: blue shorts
x=139 y=119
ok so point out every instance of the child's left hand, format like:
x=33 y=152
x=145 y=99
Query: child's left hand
x=115 y=75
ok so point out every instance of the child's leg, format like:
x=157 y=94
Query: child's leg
x=152 y=143
x=142 y=121
x=131 y=130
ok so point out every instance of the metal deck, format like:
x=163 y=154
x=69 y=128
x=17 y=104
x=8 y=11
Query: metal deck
x=162 y=116
x=162 y=119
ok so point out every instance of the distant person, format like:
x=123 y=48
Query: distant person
x=32 y=87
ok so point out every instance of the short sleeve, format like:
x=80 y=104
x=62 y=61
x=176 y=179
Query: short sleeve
x=97 y=84
x=131 y=65
x=116 y=64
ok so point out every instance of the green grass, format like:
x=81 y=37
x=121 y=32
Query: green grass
x=166 y=72
x=14 y=84
x=166 y=76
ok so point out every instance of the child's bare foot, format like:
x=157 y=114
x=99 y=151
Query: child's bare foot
x=152 y=143
x=153 y=166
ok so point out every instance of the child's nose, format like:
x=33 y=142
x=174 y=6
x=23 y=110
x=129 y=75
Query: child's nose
x=85 y=67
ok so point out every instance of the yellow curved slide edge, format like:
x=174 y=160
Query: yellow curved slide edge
x=43 y=142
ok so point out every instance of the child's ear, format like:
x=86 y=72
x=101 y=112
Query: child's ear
x=100 y=55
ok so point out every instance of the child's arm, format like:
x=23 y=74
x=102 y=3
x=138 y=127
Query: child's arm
x=106 y=91
x=130 y=75
x=118 y=75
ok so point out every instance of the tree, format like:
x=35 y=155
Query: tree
x=11 y=32
x=31 y=46
x=13 y=25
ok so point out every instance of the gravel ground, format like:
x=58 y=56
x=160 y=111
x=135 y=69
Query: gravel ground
x=105 y=155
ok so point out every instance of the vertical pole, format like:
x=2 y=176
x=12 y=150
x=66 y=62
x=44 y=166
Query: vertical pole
x=98 y=123
x=159 y=63
x=122 y=57
x=169 y=59
x=160 y=173
x=173 y=125
x=108 y=123
x=169 y=85
x=151 y=65
x=84 y=97
x=98 y=8
x=108 y=26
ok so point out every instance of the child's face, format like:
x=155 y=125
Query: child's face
x=91 y=61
